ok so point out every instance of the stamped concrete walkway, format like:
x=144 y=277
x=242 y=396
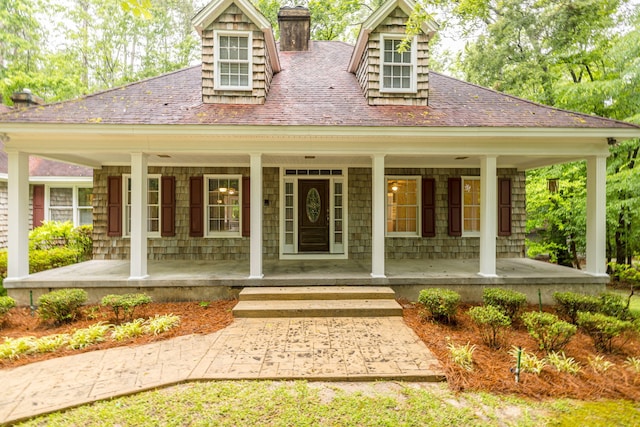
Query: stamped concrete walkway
x=327 y=349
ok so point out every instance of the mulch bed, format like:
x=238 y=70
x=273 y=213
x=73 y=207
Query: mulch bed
x=492 y=368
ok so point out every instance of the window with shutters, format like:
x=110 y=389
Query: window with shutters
x=233 y=70
x=471 y=206
x=403 y=206
x=70 y=203
x=153 y=205
x=223 y=207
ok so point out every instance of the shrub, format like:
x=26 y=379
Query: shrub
x=551 y=333
x=613 y=305
x=441 y=303
x=41 y=260
x=62 y=305
x=510 y=302
x=6 y=304
x=491 y=322
x=633 y=363
x=570 y=303
x=125 y=303
x=602 y=328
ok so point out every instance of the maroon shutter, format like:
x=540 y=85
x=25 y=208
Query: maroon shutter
x=114 y=206
x=196 y=206
x=455 y=206
x=38 y=205
x=504 y=207
x=246 y=206
x=168 y=202
x=428 y=207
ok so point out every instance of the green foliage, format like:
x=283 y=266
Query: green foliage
x=62 y=305
x=599 y=413
x=529 y=362
x=509 y=301
x=441 y=303
x=613 y=305
x=52 y=235
x=126 y=304
x=41 y=260
x=85 y=337
x=128 y=330
x=51 y=343
x=462 y=355
x=599 y=364
x=602 y=329
x=633 y=363
x=570 y=303
x=491 y=322
x=562 y=363
x=13 y=348
x=6 y=304
x=159 y=324
x=551 y=333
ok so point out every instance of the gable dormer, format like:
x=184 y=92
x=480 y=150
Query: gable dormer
x=239 y=55
x=386 y=76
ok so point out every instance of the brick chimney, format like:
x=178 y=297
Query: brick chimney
x=25 y=99
x=295 y=31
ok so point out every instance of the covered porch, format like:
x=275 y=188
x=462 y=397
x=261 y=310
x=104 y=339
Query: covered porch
x=209 y=280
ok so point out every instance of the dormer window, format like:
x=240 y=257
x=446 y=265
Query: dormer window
x=233 y=60
x=398 y=69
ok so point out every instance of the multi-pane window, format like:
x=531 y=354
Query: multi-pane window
x=153 y=206
x=73 y=204
x=471 y=205
x=224 y=210
x=403 y=206
x=233 y=61
x=398 y=68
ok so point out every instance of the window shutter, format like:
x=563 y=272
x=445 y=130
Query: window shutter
x=114 y=206
x=455 y=206
x=428 y=207
x=38 y=205
x=168 y=202
x=246 y=206
x=196 y=206
x=504 y=207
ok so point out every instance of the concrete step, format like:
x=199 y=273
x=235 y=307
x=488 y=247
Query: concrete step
x=316 y=293
x=318 y=308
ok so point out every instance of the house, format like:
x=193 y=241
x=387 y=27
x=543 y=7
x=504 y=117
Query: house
x=57 y=191
x=303 y=161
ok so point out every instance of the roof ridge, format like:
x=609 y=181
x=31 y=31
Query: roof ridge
x=537 y=104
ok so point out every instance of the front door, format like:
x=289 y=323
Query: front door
x=313 y=215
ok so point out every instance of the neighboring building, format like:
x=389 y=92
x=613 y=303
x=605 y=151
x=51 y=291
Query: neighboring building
x=267 y=152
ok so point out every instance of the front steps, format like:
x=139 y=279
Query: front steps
x=317 y=301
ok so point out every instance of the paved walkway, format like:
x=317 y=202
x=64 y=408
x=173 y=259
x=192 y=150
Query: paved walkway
x=327 y=349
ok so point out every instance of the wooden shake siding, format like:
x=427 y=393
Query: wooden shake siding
x=234 y=20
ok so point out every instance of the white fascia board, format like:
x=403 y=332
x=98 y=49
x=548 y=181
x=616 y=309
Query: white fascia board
x=61 y=180
x=3 y=176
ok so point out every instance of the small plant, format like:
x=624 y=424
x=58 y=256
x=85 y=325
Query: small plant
x=6 y=304
x=529 y=362
x=510 y=302
x=128 y=330
x=551 y=333
x=159 y=324
x=94 y=334
x=51 y=343
x=125 y=304
x=633 y=363
x=603 y=329
x=491 y=322
x=13 y=348
x=441 y=303
x=62 y=305
x=570 y=303
x=562 y=363
x=92 y=313
x=462 y=355
x=599 y=364
x=204 y=304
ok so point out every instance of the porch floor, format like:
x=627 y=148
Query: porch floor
x=406 y=277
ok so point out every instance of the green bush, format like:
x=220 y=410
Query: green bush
x=441 y=303
x=551 y=333
x=6 y=304
x=41 y=260
x=510 y=302
x=62 y=305
x=3 y=263
x=614 y=305
x=491 y=322
x=126 y=304
x=602 y=328
x=570 y=303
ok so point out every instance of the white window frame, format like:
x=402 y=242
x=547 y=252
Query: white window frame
x=222 y=234
x=218 y=61
x=126 y=208
x=413 y=50
x=75 y=206
x=418 y=233
x=463 y=180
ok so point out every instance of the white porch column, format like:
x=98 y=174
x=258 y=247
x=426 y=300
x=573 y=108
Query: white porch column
x=255 y=249
x=596 y=215
x=379 y=195
x=488 y=216
x=18 y=233
x=139 y=183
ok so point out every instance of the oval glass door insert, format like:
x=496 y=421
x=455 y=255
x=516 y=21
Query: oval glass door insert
x=313 y=205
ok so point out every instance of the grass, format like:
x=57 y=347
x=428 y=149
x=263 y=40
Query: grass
x=634 y=305
x=234 y=403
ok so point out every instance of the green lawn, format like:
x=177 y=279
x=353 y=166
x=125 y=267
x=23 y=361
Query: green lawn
x=253 y=403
